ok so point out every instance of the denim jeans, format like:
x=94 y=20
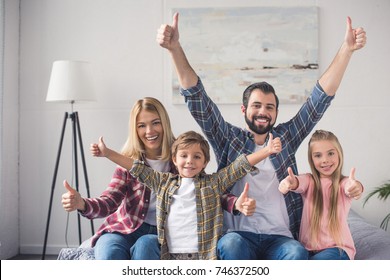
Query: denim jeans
x=243 y=245
x=329 y=254
x=146 y=248
x=117 y=246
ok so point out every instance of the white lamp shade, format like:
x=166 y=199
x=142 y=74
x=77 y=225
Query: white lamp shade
x=70 y=81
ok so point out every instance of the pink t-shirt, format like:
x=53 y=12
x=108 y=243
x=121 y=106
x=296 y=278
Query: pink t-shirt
x=306 y=185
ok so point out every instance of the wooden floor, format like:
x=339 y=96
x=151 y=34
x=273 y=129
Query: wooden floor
x=33 y=257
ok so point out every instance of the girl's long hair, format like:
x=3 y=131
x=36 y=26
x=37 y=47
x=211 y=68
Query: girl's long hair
x=318 y=203
x=134 y=147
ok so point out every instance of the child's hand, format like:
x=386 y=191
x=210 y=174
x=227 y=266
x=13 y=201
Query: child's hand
x=288 y=183
x=72 y=200
x=353 y=188
x=244 y=204
x=100 y=149
x=274 y=145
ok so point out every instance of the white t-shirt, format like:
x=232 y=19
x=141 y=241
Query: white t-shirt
x=162 y=166
x=181 y=225
x=270 y=216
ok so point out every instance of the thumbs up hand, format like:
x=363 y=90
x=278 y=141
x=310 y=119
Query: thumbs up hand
x=244 y=204
x=353 y=188
x=274 y=145
x=99 y=149
x=354 y=38
x=72 y=200
x=288 y=183
x=168 y=35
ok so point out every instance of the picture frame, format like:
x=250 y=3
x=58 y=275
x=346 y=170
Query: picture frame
x=233 y=47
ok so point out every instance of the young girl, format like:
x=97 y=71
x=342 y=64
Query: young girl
x=327 y=196
x=189 y=212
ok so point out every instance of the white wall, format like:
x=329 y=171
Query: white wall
x=9 y=120
x=118 y=37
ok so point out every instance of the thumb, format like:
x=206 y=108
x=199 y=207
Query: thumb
x=271 y=138
x=352 y=173
x=290 y=172
x=175 y=21
x=69 y=188
x=101 y=142
x=349 y=24
x=244 y=193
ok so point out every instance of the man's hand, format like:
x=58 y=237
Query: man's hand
x=354 y=38
x=168 y=35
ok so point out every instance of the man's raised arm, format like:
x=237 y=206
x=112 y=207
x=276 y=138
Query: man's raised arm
x=168 y=38
x=354 y=39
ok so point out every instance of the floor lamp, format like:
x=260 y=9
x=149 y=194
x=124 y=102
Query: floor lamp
x=70 y=81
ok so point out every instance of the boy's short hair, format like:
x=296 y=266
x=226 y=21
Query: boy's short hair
x=190 y=138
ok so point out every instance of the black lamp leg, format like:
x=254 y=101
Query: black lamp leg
x=75 y=130
x=53 y=184
x=83 y=162
x=73 y=116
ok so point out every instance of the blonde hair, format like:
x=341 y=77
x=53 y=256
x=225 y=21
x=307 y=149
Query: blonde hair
x=317 y=203
x=134 y=147
x=190 y=138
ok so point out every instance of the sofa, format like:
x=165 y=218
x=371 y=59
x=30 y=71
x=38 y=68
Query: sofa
x=371 y=242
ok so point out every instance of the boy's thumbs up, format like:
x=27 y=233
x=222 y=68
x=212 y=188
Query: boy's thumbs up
x=244 y=194
x=245 y=204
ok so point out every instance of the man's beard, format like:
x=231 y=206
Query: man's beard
x=256 y=129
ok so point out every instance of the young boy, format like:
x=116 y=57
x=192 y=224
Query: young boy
x=189 y=211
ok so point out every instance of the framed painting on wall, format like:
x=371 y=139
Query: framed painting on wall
x=231 y=48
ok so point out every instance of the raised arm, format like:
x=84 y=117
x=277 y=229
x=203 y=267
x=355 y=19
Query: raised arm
x=168 y=38
x=100 y=150
x=354 y=39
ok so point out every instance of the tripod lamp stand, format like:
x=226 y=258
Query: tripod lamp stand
x=70 y=81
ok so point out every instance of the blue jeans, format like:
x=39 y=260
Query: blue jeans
x=329 y=254
x=146 y=248
x=117 y=246
x=243 y=245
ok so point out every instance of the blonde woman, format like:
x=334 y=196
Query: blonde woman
x=129 y=207
x=327 y=198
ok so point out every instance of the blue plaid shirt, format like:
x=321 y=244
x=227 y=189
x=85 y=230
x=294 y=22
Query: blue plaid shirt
x=229 y=141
